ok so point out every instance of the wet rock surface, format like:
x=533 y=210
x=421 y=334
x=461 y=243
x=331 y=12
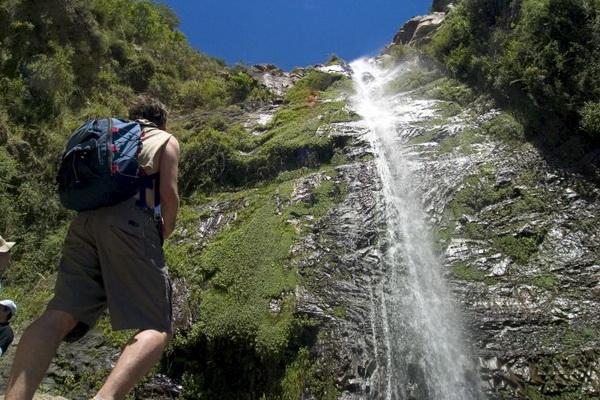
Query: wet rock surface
x=530 y=298
x=519 y=241
x=340 y=266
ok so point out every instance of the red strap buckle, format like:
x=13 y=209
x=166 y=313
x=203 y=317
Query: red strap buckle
x=115 y=130
x=115 y=168
x=114 y=148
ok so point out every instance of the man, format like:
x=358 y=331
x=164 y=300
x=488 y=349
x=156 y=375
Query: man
x=5 y=252
x=112 y=257
x=8 y=308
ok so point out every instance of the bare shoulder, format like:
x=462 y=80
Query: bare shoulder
x=172 y=147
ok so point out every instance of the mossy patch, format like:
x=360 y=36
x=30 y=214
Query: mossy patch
x=545 y=281
x=304 y=373
x=244 y=284
x=412 y=80
x=471 y=273
x=448 y=90
x=518 y=248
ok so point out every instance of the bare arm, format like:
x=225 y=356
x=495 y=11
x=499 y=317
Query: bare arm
x=169 y=196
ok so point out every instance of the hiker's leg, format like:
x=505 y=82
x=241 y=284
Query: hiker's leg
x=138 y=356
x=35 y=351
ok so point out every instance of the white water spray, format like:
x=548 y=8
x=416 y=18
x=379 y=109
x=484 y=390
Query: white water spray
x=425 y=356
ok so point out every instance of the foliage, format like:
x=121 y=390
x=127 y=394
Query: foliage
x=590 y=118
x=539 y=56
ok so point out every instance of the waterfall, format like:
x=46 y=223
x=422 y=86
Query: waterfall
x=424 y=354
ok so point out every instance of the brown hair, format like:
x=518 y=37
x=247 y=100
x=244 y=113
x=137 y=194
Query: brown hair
x=150 y=108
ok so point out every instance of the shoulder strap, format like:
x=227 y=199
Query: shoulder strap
x=148 y=182
x=144 y=123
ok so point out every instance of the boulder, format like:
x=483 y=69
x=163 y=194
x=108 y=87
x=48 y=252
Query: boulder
x=441 y=5
x=419 y=30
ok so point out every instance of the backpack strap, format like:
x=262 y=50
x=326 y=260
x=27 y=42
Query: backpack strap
x=149 y=182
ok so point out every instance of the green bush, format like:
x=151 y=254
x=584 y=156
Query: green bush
x=204 y=162
x=50 y=80
x=209 y=92
x=590 y=118
x=538 y=56
x=139 y=72
x=315 y=81
x=504 y=126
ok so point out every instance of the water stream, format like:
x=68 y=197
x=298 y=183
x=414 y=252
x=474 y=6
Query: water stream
x=423 y=354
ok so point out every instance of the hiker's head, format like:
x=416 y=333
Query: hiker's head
x=5 y=252
x=8 y=308
x=150 y=108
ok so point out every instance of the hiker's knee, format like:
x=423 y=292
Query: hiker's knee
x=153 y=338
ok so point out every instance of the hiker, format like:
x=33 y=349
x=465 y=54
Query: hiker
x=5 y=252
x=8 y=309
x=112 y=257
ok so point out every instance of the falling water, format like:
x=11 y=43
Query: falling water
x=425 y=357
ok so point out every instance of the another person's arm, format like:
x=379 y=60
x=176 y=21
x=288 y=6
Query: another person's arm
x=6 y=338
x=169 y=196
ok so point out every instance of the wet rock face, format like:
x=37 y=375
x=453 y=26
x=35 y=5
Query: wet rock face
x=519 y=239
x=527 y=277
x=339 y=263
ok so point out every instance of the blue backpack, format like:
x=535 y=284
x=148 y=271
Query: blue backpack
x=99 y=167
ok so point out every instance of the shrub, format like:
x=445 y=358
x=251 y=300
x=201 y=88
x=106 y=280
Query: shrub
x=505 y=127
x=315 y=81
x=139 y=72
x=590 y=118
x=210 y=92
x=50 y=79
x=204 y=161
x=539 y=56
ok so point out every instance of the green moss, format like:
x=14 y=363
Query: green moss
x=246 y=266
x=309 y=85
x=341 y=88
x=339 y=312
x=412 y=80
x=462 y=142
x=447 y=89
x=545 y=281
x=448 y=109
x=244 y=283
x=470 y=273
x=304 y=375
x=519 y=249
x=505 y=127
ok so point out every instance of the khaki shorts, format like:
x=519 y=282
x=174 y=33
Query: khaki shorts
x=113 y=257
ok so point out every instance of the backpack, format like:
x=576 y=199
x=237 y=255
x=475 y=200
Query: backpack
x=99 y=166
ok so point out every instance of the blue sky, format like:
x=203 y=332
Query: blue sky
x=292 y=33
